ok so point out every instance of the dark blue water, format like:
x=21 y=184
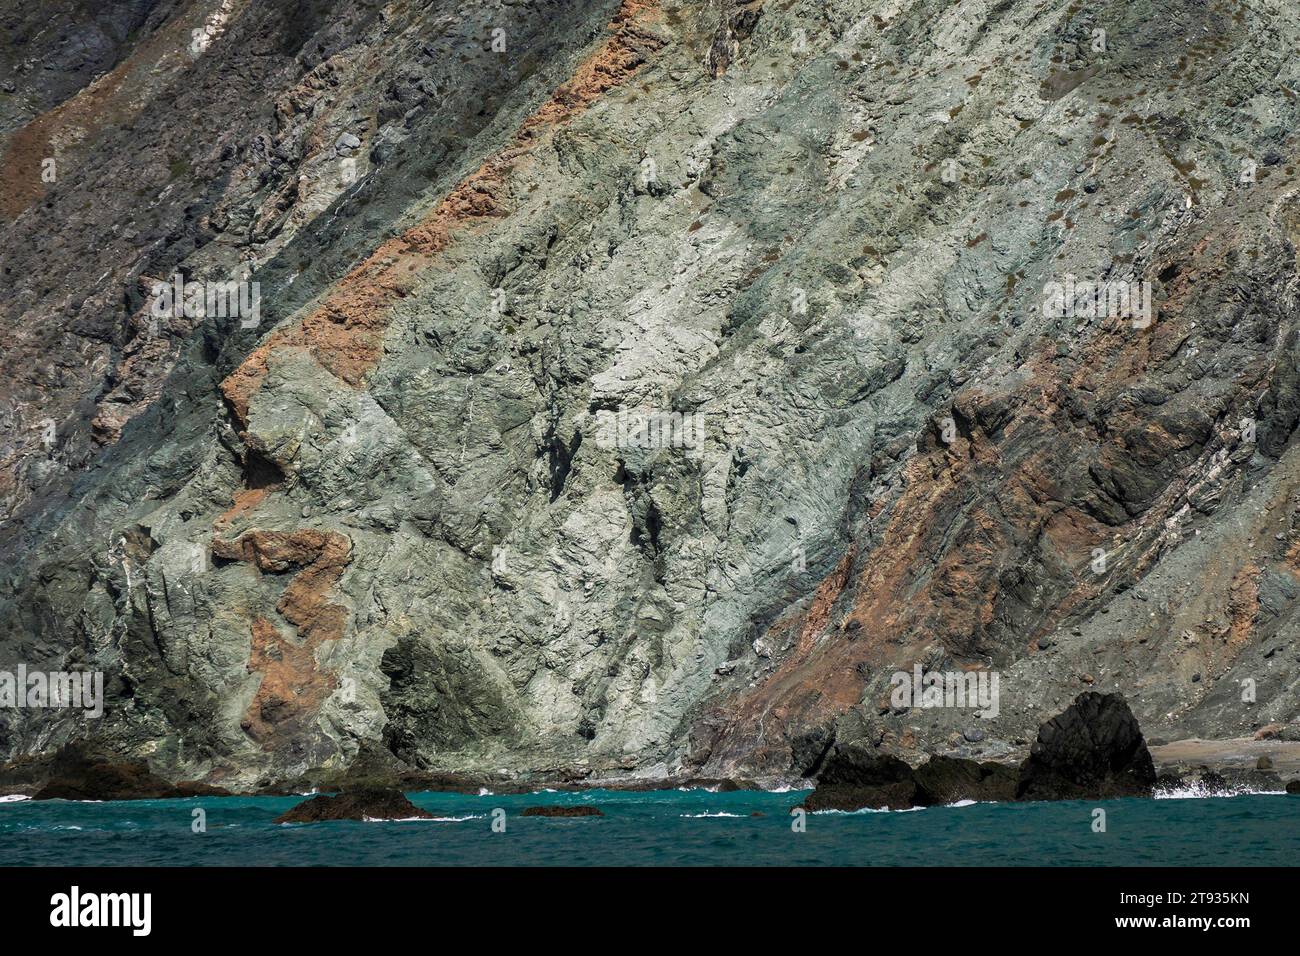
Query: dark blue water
x=694 y=827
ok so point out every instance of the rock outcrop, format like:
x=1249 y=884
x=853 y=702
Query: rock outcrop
x=944 y=780
x=854 y=779
x=1207 y=782
x=1092 y=751
x=373 y=804
x=74 y=775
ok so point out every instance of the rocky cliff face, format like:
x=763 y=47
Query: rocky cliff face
x=636 y=387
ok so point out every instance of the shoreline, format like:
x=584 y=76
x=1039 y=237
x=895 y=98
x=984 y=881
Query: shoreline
x=1237 y=760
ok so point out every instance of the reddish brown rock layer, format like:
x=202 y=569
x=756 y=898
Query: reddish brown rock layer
x=1001 y=506
x=344 y=334
x=293 y=686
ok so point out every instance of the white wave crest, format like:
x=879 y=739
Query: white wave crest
x=1200 y=790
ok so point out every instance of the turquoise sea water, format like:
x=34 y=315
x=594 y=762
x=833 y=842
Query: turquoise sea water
x=674 y=827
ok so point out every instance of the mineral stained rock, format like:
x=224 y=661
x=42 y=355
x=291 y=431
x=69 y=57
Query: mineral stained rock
x=634 y=388
x=1094 y=750
x=375 y=804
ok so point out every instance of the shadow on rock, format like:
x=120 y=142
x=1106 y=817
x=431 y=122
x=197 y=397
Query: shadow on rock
x=1092 y=750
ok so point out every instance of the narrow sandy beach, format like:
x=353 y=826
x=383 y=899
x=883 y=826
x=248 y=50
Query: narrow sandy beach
x=1239 y=753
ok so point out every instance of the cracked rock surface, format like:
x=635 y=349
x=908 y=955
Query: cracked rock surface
x=638 y=389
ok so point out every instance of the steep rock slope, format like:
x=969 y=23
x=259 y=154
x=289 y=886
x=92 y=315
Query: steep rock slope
x=402 y=522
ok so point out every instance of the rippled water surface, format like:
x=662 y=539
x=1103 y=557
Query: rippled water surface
x=692 y=827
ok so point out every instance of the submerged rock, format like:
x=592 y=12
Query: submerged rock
x=563 y=812
x=1203 y=781
x=371 y=804
x=1092 y=750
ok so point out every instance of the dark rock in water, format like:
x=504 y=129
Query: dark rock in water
x=1253 y=779
x=945 y=780
x=370 y=804
x=77 y=776
x=1293 y=786
x=1093 y=750
x=579 y=811
x=1230 y=780
x=854 y=777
